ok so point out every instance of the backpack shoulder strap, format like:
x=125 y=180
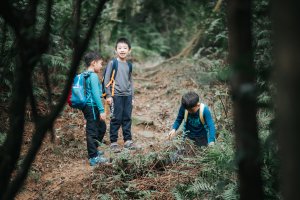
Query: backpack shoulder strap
x=113 y=72
x=201 y=111
x=130 y=67
x=185 y=115
x=114 y=67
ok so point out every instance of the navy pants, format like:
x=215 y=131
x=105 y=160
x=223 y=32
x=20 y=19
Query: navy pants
x=199 y=141
x=121 y=116
x=95 y=130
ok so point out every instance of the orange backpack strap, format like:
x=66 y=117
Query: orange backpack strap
x=111 y=79
x=113 y=76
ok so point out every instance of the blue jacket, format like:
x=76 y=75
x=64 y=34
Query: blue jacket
x=193 y=127
x=94 y=92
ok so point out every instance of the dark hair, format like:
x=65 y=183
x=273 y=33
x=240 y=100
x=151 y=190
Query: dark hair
x=90 y=57
x=123 y=40
x=189 y=100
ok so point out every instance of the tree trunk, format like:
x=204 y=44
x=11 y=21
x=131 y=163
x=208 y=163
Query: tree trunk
x=287 y=51
x=30 y=47
x=244 y=99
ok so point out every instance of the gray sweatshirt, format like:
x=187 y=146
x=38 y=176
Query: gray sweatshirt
x=123 y=81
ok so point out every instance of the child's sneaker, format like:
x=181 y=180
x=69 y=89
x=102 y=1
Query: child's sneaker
x=129 y=145
x=97 y=160
x=115 y=147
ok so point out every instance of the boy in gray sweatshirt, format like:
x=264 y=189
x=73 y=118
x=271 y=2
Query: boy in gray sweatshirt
x=119 y=94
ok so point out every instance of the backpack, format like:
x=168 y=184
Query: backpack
x=112 y=77
x=202 y=106
x=77 y=96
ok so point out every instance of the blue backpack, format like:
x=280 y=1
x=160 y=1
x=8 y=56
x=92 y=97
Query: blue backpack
x=77 y=96
x=113 y=76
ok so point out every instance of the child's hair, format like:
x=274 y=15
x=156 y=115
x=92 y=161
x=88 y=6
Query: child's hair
x=189 y=100
x=123 y=40
x=90 y=57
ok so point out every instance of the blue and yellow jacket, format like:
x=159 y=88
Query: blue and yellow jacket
x=194 y=127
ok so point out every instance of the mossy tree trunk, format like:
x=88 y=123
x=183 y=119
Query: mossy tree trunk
x=31 y=45
x=286 y=18
x=243 y=85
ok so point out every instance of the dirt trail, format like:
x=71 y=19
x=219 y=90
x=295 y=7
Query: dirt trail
x=61 y=166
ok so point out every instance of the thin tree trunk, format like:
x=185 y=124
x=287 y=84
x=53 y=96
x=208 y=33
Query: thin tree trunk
x=287 y=54
x=244 y=99
x=31 y=47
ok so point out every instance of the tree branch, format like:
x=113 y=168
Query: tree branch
x=30 y=16
x=44 y=124
x=33 y=103
x=13 y=142
x=37 y=140
x=49 y=90
x=9 y=15
x=45 y=35
x=78 y=52
x=77 y=20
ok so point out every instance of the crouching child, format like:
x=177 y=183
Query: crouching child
x=198 y=123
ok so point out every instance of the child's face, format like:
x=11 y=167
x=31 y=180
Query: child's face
x=122 y=50
x=97 y=65
x=194 y=109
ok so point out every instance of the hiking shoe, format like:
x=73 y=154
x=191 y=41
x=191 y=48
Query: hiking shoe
x=115 y=147
x=97 y=160
x=129 y=145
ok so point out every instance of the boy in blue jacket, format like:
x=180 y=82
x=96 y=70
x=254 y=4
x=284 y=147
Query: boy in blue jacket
x=94 y=110
x=198 y=123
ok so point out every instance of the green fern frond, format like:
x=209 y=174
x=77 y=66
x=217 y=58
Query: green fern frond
x=201 y=185
x=230 y=193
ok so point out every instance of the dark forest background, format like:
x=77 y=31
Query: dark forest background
x=251 y=46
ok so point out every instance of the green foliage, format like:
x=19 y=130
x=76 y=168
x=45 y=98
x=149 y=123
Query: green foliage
x=217 y=179
x=2 y=138
x=270 y=161
x=161 y=26
x=262 y=33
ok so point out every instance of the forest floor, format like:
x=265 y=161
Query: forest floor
x=61 y=169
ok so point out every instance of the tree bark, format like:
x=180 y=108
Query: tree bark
x=244 y=99
x=286 y=18
x=30 y=48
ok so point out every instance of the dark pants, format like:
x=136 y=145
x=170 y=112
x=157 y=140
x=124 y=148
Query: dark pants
x=95 y=130
x=199 y=141
x=121 y=116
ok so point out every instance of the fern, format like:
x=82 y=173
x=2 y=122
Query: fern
x=201 y=185
x=104 y=197
x=230 y=193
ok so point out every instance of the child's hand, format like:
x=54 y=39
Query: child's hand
x=132 y=102
x=172 y=134
x=211 y=144
x=102 y=116
x=109 y=100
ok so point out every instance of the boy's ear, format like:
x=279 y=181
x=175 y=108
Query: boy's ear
x=93 y=62
x=198 y=104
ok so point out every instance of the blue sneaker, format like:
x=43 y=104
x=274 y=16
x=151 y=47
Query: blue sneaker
x=97 y=160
